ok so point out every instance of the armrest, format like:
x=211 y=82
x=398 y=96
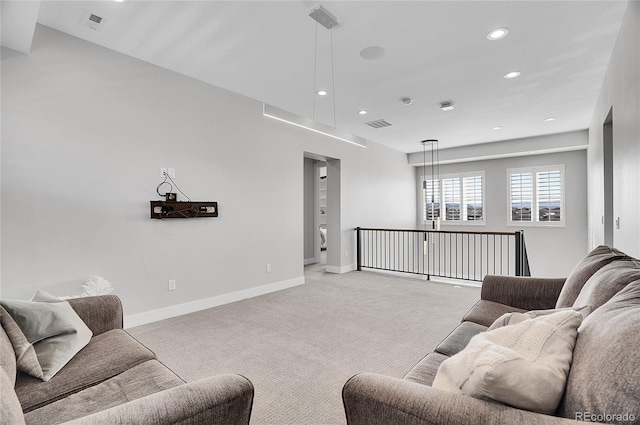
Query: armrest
x=101 y=313
x=222 y=399
x=371 y=399
x=528 y=293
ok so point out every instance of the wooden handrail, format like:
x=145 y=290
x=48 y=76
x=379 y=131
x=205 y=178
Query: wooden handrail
x=438 y=231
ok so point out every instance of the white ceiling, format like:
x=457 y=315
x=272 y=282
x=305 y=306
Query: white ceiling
x=435 y=51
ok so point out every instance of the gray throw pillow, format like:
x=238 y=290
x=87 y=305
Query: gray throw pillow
x=594 y=261
x=52 y=327
x=23 y=352
x=607 y=282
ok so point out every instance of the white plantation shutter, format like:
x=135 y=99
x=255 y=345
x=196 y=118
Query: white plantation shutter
x=549 y=195
x=536 y=195
x=473 y=202
x=452 y=199
x=432 y=187
x=521 y=197
x=457 y=198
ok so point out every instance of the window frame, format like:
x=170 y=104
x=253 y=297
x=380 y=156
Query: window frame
x=464 y=221
x=535 y=210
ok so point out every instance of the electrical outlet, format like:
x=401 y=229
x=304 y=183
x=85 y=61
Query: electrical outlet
x=268 y=268
x=172 y=284
x=171 y=172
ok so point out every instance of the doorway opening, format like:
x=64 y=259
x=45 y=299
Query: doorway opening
x=322 y=231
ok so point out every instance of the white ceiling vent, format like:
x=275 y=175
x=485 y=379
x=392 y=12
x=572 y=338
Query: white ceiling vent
x=378 y=124
x=93 y=21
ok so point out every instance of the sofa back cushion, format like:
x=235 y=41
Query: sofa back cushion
x=10 y=409
x=7 y=354
x=605 y=372
x=590 y=264
x=607 y=282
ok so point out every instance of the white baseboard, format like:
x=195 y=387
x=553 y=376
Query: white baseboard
x=342 y=269
x=308 y=261
x=193 y=306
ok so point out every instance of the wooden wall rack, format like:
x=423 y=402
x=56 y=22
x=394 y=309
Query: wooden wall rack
x=183 y=209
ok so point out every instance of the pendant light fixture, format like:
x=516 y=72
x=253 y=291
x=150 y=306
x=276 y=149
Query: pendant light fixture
x=435 y=177
x=430 y=204
x=327 y=20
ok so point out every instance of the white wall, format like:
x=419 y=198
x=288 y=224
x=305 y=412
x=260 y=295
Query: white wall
x=552 y=252
x=85 y=131
x=620 y=91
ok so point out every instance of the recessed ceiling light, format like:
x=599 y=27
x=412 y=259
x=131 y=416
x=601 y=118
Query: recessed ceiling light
x=362 y=112
x=321 y=92
x=512 y=74
x=447 y=106
x=550 y=119
x=498 y=33
x=497 y=127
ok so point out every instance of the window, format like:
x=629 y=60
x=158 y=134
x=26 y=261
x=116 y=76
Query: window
x=473 y=194
x=451 y=190
x=521 y=197
x=462 y=198
x=536 y=196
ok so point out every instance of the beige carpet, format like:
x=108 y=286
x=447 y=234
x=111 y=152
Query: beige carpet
x=299 y=346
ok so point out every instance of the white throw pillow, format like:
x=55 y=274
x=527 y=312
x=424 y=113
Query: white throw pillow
x=514 y=318
x=52 y=327
x=524 y=365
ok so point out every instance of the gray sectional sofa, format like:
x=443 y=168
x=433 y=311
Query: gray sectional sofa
x=603 y=383
x=115 y=379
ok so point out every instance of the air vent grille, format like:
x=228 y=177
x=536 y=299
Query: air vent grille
x=378 y=123
x=93 y=21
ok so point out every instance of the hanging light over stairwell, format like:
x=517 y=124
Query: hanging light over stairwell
x=435 y=176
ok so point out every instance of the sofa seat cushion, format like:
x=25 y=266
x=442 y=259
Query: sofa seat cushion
x=147 y=378
x=459 y=338
x=425 y=371
x=606 y=282
x=486 y=312
x=106 y=355
x=605 y=372
x=594 y=261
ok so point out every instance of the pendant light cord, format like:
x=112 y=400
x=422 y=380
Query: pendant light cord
x=315 y=72
x=424 y=179
x=333 y=80
x=432 y=183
